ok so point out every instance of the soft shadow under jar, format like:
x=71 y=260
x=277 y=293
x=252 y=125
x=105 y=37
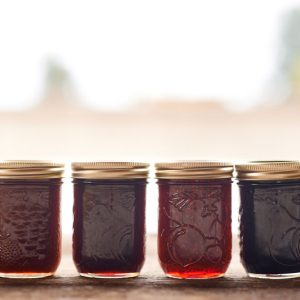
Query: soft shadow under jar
x=194 y=228
x=270 y=218
x=30 y=233
x=109 y=218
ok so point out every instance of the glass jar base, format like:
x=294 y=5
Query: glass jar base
x=274 y=276
x=194 y=276
x=25 y=275
x=110 y=275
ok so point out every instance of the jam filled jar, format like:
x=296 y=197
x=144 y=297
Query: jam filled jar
x=109 y=218
x=194 y=228
x=30 y=233
x=270 y=218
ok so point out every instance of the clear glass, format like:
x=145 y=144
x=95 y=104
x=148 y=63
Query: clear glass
x=194 y=229
x=30 y=232
x=270 y=228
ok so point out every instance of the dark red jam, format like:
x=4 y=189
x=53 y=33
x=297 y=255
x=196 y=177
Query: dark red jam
x=194 y=231
x=109 y=227
x=30 y=235
x=270 y=227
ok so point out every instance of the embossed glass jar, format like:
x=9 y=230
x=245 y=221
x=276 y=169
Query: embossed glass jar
x=30 y=233
x=109 y=218
x=194 y=229
x=270 y=218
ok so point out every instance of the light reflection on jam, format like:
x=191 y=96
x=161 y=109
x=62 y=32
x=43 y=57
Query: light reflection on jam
x=194 y=238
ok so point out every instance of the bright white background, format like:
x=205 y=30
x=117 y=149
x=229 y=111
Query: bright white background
x=119 y=52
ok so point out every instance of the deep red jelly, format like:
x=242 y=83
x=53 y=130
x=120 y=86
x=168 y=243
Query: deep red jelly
x=30 y=234
x=194 y=231
x=109 y=227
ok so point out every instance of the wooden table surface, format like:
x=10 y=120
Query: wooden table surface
x=152 y=284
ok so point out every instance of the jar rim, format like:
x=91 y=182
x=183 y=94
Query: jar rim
x=268 y=170
x=110 y=170
x=196 y=169
x=30 y=169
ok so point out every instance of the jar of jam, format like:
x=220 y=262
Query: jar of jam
x=109 y=218
x=270 y=218
x=30 y=233
x=194 y=228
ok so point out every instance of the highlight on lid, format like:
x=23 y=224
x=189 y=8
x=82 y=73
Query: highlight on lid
x=110 y=170
x=30 y=169
x=268 y=170
x=194 y=169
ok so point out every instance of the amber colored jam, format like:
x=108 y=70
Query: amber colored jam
x=270 y=227
x=109 y=227
x=30 y=234
x=194 y=231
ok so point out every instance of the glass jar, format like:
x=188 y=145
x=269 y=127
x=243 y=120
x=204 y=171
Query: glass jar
x=270 y=218
x=109 y=218
x=194 y=228
x=30 y=233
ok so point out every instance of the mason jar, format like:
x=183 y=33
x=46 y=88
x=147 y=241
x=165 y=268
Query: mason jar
x=30 y=232
x=109 y=218
x=270 y=218
x=194 y=227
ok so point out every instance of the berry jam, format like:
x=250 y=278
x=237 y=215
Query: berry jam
x=194 y=231
x=30 y=236
x=109 y=227
x=270 y=228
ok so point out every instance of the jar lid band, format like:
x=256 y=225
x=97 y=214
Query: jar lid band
x=110 y=170
x=268 y=170
x=194 y=170
x=30 y=169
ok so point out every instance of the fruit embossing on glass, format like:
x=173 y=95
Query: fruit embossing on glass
x=109 y=218
x=194 y=230
x=30 y=233
x=270 y=218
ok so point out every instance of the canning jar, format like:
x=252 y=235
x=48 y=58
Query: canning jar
x=270 y=218
x=194 y=228
x=30 y=233
x=109 y=218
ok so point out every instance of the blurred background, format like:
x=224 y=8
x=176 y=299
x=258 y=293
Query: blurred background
x=149 y=80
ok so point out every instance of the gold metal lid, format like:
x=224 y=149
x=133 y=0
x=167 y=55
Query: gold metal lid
x=30 y=169
x=268 y=170
x=194 y=170
x=110 y=170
